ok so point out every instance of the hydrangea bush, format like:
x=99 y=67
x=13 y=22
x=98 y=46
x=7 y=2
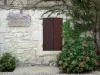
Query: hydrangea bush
x=78 y=56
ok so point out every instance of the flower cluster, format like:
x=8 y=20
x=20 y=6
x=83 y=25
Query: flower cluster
x=84 y=44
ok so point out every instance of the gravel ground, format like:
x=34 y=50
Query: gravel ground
x=35 y=70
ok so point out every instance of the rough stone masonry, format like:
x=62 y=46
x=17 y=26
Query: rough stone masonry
x=25 y=42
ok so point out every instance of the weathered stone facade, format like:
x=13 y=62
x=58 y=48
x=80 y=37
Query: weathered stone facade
x=25 y=42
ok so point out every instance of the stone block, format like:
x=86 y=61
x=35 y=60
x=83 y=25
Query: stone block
x=2 y=29
x=50 y=57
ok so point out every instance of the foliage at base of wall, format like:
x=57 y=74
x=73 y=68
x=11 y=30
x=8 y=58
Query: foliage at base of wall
x=78 y=56
x=7 y=62
x=78 y=53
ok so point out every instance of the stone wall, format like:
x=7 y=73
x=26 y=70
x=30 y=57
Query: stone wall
x=25 y=42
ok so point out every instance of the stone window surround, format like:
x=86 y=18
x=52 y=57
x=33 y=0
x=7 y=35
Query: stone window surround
x=51 y=52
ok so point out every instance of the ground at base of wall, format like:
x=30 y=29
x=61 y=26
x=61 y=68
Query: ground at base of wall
x=46 y=60
x=36 y=70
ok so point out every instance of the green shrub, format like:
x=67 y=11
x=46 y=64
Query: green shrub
x=7 y=62
x=78 y=56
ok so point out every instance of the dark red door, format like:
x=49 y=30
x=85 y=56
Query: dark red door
x=52 y=31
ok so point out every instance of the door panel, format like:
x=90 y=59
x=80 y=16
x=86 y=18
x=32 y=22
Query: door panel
x=47 y=34
x=57 y=34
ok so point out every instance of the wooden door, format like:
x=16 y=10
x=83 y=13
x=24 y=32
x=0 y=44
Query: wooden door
x=52 y=31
